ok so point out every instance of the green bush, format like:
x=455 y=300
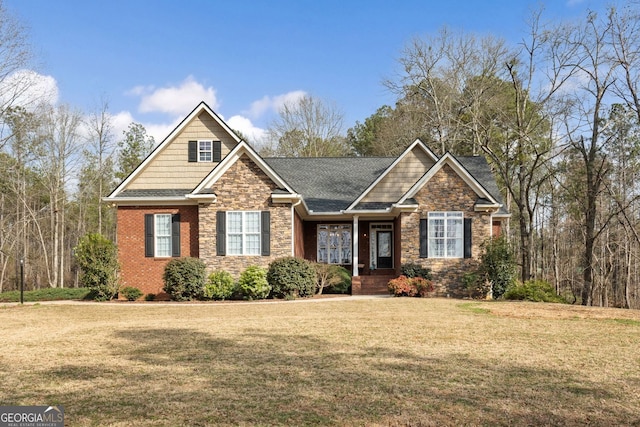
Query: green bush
x=219 y=286
x=533 y=290
x=342 y=283
x=150 y=297
x=497 y=265
x=184 y=278
x=332 y=279
x=412 y=270
x=477 y=286
x=253 y=283
x=131 y=293
x=291 y=277
x=97 y=258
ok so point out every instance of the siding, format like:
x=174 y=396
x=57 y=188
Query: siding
x=170 y=167
x=398 y=181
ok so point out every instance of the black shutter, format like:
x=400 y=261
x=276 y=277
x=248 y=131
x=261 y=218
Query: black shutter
x=424 y=244
x=193 y=151
x=217 y=151
x=221 y=233
x=266 y=233
x=148 y=235
x=467 y=238
x=175 y=235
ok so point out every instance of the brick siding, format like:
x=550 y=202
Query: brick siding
x=145 y=273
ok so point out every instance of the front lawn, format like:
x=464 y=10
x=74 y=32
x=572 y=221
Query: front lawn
x=386 y=362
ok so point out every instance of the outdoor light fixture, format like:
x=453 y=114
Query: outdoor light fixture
x=21 y=281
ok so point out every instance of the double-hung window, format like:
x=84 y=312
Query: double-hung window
x=446 y=234
x=243 y=232
x=162 y=235
x=205 y=151
x=334 y=244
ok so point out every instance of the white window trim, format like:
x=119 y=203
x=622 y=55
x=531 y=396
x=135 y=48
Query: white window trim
x=341 y=247
x=447 y=215
x=201 y=151
x=156 y=235
x=244 y=233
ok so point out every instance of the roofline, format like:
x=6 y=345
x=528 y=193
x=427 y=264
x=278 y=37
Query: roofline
x=407 y=150
x=202 y=106
x=469 y=179
x=231 y=158
x=132 y=201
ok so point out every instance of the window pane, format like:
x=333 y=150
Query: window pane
x=234 y=222
x=252 y=246
x=234 y=244
x=252 y=222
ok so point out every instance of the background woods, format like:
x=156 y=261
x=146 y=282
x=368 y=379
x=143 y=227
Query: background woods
x=556 y=115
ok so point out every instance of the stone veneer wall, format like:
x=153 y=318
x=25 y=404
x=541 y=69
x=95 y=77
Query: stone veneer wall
x=445 y=191
x=244 y=186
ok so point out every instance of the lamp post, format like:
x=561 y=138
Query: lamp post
x=21 y=281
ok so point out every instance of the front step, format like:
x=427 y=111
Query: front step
x=370 y=285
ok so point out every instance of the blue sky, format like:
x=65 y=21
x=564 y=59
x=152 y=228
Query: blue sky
x=155 y=60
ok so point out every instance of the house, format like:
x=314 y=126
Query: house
x=203 y=192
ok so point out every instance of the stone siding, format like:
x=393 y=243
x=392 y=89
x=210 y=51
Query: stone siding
x=244 y=186
x=445 y=191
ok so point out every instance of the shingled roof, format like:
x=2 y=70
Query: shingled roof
x=329 y=184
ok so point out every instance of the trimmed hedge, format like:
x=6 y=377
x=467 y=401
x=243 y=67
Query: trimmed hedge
x=184 y=278
x=253 y=283
x=219 y=286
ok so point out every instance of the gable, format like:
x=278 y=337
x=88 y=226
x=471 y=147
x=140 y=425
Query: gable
x=170 y=167
x=244 y=184
x=446 y=191
x=401 y=177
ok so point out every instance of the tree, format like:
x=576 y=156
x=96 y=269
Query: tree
x=97 y=257
x=308 y=127
x=134 y=148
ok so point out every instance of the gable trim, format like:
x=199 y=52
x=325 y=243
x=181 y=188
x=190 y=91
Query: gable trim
x=231 y=158
x=462 y=172
x=416 y=143
x=202 y=107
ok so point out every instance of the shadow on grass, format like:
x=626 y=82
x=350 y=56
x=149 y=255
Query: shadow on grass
x=187 y=377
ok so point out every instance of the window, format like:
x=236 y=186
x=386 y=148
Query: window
x=162 y=235
x=334 y=244
x=243 y=233
x=446 y=235
x=205 y=151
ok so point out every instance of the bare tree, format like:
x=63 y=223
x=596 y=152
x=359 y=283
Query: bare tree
x=308 y=127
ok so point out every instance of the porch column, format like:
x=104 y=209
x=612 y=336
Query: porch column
x=355 y=245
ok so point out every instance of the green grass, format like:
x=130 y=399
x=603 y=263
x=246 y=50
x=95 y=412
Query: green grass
x=49 y=294
x=378 y=362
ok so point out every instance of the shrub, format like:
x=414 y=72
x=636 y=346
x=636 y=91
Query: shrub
x=219 y=286
x=497 y=265
x=332 y=279
x=476 y=285
x=150 y=297
x=412 y=270
x=184 y=278
x=533 y=290
x=131 y=293
x=405 y=286
x=253 y=283
x=97 y=257
x=291 y=277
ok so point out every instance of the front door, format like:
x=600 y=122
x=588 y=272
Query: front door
x=384 y=244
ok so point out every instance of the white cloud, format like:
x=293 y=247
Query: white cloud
x=28 y=89
x=254 y=134
x=268 y=104
x=176 y=100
